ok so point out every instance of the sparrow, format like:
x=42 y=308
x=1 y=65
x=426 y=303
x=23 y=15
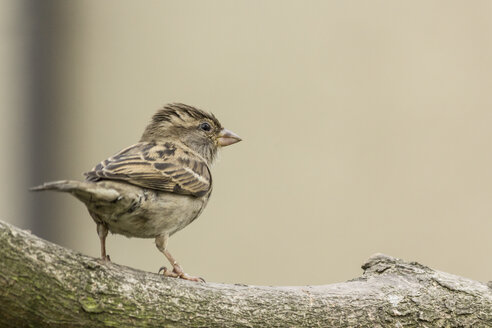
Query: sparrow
x=157 y=186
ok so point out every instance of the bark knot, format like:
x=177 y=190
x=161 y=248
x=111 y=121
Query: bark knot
x=378 y=263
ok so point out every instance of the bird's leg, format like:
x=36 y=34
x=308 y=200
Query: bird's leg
x=102 y=232
x=161 y=243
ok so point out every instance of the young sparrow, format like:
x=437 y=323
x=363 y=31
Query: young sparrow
x=158 y=186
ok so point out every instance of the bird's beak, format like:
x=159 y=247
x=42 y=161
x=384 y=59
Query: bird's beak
x=227 y=138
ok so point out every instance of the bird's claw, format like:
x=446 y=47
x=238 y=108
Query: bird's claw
x=105 y=260
x=191 y=278
x=167 y=273
x=178 y=273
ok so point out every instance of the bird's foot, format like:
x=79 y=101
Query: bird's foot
x=178 y=273
x=105 y=259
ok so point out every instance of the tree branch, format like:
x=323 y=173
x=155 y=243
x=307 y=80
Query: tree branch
x=45 y=285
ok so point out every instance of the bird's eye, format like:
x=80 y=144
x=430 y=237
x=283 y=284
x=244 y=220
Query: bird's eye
x=205 y=126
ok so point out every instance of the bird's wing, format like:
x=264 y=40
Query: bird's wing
x=164 y=167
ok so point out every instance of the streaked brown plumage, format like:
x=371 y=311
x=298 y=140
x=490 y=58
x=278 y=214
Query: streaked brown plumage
x=158 y=186
x=165 y=166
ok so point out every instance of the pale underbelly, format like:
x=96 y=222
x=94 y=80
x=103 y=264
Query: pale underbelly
x=159 y=214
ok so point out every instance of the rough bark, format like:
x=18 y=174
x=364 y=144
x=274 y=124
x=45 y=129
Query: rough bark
x=45 y=285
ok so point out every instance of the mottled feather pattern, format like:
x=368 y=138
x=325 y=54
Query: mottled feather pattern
x=168 y=166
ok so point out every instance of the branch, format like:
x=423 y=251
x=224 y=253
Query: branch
x=45 y=285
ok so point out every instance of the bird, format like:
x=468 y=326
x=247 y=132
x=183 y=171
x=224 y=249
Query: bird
x=158 y=186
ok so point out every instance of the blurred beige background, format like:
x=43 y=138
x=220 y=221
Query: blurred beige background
x=367 y=127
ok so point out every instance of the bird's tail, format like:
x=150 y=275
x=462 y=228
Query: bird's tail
x=85 y=191
x=62 y=185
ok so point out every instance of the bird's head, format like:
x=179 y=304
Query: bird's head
x=197 y=129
